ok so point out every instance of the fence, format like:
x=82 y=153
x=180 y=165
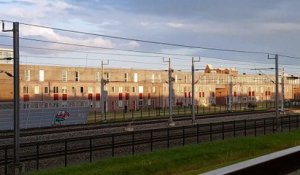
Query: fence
x=63 y=152
x=159 y=112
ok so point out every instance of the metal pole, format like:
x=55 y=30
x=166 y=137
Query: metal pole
x=276 y=98
x=193 y=89
x=230 y=93
x=16 y=99
x=103 y=94
x=171 y=122
x=282 y=91
x=276 y=91
x=102 y=91
x=16 y=160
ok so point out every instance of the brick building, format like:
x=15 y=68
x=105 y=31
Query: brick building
x=135 y=88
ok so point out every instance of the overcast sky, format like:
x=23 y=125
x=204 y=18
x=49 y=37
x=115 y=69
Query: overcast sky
x=255 y=25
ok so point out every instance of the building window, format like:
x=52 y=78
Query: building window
x=135 y=77
x=25 y=89
x=77 y=76
x=113 y=89
x=73 y=90
x=81 y=89
x=64 y=90
x=64 y=76
x=141 y=89
x=98 y=89
x=120 y=89
x=36 y=90
x=46 y=90
x=153 y=78
x=55 y=89
x=133 y=89
x=90 y=90
x=125 y=77
x=98 y=78
x=27 y=75
x=42 y=75
x=153 y=89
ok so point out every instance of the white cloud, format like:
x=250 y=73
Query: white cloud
x=144 y=23
x=186 y=51
x=38 y=9
x=129 y=45
x=280 y=27
x=51 y=35
x=174 y=25
x=133 y=44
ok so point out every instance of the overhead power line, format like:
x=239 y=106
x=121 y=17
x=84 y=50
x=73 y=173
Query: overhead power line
x=96 y=59
x=131 y=61
x=144 y=41
x=98 y=47
x=154 y=42
x=136 y=55
x=90 y=52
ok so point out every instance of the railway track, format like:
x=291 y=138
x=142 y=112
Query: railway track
x=136 y=123
x=65 y=152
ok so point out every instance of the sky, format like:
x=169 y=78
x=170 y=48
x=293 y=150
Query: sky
x=271 y=26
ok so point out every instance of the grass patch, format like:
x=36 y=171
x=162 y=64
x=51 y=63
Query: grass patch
x=188 y=160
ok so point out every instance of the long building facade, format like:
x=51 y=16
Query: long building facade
x=135 y=88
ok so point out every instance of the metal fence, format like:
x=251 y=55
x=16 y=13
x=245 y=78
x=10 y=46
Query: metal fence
x=64 y=152
x=160 y=112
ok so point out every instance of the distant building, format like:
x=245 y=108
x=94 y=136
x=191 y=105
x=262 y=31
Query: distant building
x=136 y=88
x=209 y=69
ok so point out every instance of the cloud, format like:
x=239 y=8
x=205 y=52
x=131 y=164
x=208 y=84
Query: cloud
x=36 y=10
x=174 y=25
x=281 y=27
x=129 y=45
x=51 y=35
x=234 y=24
x=186 y=51
x=144 y=23
x=133 y=44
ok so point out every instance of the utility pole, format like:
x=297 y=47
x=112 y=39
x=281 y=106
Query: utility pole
x=17 y=167
x=103 y=93
x=276 y=93
x=171 y=122
x=193 y=89
x=282 y=91
x=230 y=99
